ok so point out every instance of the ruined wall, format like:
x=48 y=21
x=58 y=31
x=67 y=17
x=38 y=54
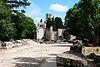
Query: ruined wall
x=89 y=50
x=40 y=33
x=70 y=60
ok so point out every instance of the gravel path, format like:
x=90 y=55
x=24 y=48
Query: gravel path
x=32 y=55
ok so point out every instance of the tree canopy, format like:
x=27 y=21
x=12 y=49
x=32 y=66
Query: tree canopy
x=83 y=19
x=13 y=23
x=56 y=23
x=59 y=23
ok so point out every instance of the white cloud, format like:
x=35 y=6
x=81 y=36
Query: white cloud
x=38 y=19
x=58 y=7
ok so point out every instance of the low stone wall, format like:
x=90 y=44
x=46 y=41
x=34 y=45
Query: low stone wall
x=7 y=45
x=70 y=60
x=89 y=50
x=11 y=44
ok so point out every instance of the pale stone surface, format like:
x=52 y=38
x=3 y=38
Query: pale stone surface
x=7 y=45
x=11 y=44
x=18 y=41
x=31 y=54
x=89 y=50
x=54 y=35
x=40 y=33
x=71 y=59
x=72 y=37
x=47 y=34
x=60 y=32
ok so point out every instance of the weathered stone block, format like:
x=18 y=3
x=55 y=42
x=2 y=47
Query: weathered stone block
x=71 y=60
x=88 y=50
x=18 y=41
x=7 y=45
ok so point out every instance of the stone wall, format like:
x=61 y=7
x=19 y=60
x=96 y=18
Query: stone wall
x=89 y=50
x=47 y=35
x=54 y=36
x=40 y=33
x=70 y=60
x=16 y=43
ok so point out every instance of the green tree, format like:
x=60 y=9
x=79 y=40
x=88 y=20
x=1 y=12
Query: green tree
x=28 y=28
x=14 y=21
x=6 y=27
x=96 y=4
x=80 y=20
x=54 y=24
x=58 y=23
x=49 y=23
x=25 y=26
x=41 y=20
x=17 y=4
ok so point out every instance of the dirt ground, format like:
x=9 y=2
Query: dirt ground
x=32 y=55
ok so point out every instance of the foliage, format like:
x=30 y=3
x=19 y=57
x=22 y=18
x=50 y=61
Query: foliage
x=49 y=23
x=13 y=23
x=6 y=28
x=41 y=20
x=81 y=20
x=56 y=23
x=27 y=27
x=24 y=25
x=16 y=4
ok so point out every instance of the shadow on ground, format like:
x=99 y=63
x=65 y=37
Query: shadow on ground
x=29 y=61
x=62 y=45
x=93 y=60
x=35 y=62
